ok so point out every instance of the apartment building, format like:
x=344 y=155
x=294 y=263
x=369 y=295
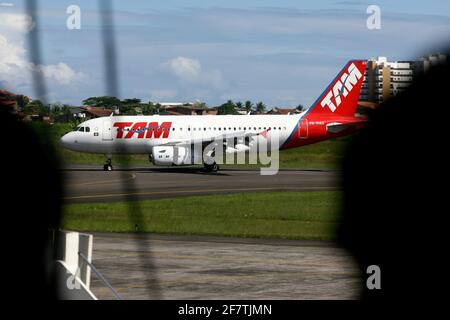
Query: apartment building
x=384 y=79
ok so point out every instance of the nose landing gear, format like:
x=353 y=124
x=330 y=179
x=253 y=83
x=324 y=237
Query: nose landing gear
x=108 y=165
x=211 y=167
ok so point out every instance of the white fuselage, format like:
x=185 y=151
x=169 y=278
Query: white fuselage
x=139 y=134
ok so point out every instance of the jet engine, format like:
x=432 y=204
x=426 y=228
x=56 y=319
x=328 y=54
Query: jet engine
x=174 y=156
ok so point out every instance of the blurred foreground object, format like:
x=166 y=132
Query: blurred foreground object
x=395 y=183
x=31 y=206
x=7 y=100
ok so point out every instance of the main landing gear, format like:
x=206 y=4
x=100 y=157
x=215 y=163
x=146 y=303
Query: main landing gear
x=108 y=165
x=211 y=167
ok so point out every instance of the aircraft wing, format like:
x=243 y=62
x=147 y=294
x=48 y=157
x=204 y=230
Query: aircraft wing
x=219 y=137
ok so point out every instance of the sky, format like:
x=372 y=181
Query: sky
x=283 y=53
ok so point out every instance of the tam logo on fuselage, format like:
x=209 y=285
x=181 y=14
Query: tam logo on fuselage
x=142 y=129
x=342 y=87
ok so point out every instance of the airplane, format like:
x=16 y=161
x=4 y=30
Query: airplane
x=169 y=140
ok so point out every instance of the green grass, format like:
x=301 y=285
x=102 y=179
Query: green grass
x=291 y=215
x=324 y=155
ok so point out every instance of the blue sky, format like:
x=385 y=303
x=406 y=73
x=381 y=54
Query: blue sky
x=280 y=52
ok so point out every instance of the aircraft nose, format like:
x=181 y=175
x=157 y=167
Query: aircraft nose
x=66 y=140
x=63 y=140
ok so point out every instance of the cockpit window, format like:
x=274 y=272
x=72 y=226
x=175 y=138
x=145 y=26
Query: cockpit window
x=82 y=129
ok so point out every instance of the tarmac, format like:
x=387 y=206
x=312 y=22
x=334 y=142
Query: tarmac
x=142 y=266
x=92 y=184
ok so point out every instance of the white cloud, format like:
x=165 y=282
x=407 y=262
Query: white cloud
x=185 y=68
x=60 y=72
x=16 y=22
x=190 y=71
x=10 y=55
x=15 y=69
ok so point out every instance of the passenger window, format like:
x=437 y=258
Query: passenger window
x=88 y=129
x=82 y=129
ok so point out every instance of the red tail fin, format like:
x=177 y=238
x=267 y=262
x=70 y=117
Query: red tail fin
x=341 y=96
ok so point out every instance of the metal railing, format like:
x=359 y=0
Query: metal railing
x=101 y=277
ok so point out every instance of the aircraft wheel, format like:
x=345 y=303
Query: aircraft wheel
x=212 y=167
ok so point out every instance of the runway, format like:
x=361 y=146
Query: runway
x=143 y=266
x=148 y=266
x=84 y=184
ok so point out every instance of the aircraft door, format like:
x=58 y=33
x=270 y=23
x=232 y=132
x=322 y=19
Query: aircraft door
x=107 y=130
x=303 y=131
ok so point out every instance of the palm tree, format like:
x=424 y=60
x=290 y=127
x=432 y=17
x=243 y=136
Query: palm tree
x=260 y=107
x=248 y=106
x=227 y=108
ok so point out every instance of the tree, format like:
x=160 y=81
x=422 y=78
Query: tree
x=300 y=107
x=104 y=101
x=148 y=108
x=200 y=105
x=129 y=106
x=131 y=101
x=239 y=105
x=36 y=107
x=22 y=101
x=55 y=109
x=260 y=107
x=66 y=113
x=227 y=108
x=158 y=107
x=248 y=106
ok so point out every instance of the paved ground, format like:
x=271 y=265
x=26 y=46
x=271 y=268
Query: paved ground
x=90 y=184
x=188 y=267
x=181 y=267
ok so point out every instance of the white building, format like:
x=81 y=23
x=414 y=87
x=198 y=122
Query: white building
x=384 y=79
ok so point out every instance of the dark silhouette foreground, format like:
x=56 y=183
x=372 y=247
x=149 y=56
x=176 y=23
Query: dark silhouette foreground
x=396 y=191
x=31 y=204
